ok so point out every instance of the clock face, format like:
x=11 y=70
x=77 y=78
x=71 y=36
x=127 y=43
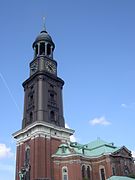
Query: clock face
x=50 y=67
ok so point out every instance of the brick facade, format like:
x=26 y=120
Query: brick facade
x=40 y=157
x=74 y=165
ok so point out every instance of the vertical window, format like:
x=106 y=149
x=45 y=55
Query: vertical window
x=83 y=171
x=36 y=50
x=31 y=117
x=42 y=49
x=31 y=97
x=31 y=87
x=64 y=173
x=51 y=96
x=48 y=49
x=27 y=163
x=113 y=171
x=102 y=174
x=27 y=155
x=88 y=172
x=52 y=115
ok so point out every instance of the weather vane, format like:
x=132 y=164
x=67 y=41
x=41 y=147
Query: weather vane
x=44 y=27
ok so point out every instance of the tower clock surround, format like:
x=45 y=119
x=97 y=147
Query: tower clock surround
x=43 y=125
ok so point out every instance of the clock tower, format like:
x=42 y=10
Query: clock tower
x=43 y=126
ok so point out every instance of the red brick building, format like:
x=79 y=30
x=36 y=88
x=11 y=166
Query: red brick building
x=44 y=150
x=95 y=160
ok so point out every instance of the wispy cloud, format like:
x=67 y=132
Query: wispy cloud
x=124 y=105
x=100 y=121
x=128 y=106
x=5 y=151
x=72 y=138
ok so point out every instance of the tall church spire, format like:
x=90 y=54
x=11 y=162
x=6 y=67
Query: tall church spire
x=43 y=90
x=43 y=125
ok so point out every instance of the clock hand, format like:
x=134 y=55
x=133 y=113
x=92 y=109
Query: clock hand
x=50 y=67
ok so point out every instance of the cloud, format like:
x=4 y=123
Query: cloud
x=5 y=151
x=99 y=121
x=72 y=137
x=133 y=154
x=124 y=105
x=128 y=106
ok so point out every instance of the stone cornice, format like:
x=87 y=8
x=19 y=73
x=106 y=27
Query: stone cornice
x=42 y=129
x=79 y=156
x=47 y=75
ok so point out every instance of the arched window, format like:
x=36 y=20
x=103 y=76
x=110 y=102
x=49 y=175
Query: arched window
x=83 y=171
x=64 y=173
x=52 y=115
x=27 y=155
x=102 y=173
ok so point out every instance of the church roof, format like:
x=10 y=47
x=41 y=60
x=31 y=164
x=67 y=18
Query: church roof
x=119 y=178
x=95 y=148
x=43 y=36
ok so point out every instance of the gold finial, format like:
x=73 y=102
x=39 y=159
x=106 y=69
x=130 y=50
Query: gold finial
x=44 y=27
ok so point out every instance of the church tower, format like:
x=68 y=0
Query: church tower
x=43 y=126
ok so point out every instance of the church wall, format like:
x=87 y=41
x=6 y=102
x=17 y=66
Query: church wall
x=121 y=164
x=73 y=165
x=19 y=159
x=41 y=149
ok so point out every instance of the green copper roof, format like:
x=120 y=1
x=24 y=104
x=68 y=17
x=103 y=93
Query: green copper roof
x=93 y=149
x=100 y=147
x=119 y=178
x=97 y=143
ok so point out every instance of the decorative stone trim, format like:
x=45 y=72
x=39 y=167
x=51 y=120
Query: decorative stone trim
x=80 y=155
x=68 y=162
x=44 y=130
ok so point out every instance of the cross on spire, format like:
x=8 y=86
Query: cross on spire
x=44 y=27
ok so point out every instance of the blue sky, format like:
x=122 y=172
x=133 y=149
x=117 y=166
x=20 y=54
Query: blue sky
x=95 y=51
